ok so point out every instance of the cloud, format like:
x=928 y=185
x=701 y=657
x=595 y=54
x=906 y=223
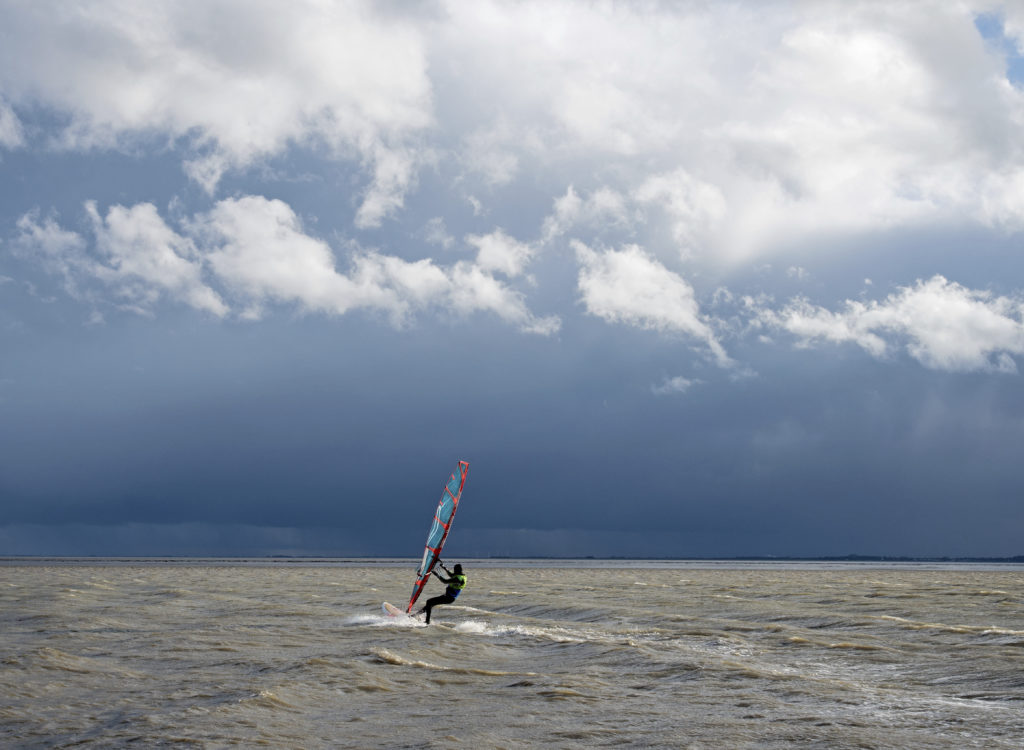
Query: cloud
x=602 y=209
x=1013 y=22
x=46 y=237
x=629 y=286
x=261 y=251
x=493 y=153
x=413 y=284
x=475 y=290
x=436 y=233
x=137 y=254
x=752 y=125
x=943 y=325
x=145 y=257
x=673 y=386
x=11 y=132
x=738 y=131
x=393 y=173
x=255 y=252
x=695 y=208
x=235 y=81
x=257 y=248
x=497 y=252
x=59 y=251
x=852 y=117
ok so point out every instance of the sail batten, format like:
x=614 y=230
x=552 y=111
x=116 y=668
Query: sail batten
x=442 y=523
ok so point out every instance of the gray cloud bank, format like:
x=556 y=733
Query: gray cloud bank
x=601 y=238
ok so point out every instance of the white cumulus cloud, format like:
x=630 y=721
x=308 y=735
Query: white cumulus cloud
x=631 y=287
x=475 y=290
x=258 y=249
x=145 y=257
x=237 y=81
x=943 y=325
x=603 y=208
x=498 y=252
x=254 y=252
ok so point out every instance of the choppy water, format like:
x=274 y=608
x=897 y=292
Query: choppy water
x=615 y=655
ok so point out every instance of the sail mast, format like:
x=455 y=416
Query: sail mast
x=439 y=529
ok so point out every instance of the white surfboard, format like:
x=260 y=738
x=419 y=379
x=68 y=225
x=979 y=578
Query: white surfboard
x=392 y=611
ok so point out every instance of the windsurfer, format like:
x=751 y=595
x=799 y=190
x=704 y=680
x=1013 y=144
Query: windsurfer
x=455 y=582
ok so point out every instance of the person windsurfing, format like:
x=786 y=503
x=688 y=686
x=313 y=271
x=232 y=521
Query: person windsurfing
x=455 y=582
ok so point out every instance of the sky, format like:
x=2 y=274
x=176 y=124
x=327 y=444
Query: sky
x=676 y=279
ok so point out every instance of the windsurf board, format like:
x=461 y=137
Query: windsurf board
x=392 y=611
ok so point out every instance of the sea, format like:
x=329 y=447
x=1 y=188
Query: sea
x=535 y=653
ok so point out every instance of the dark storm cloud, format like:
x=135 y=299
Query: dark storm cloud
x=656 y=316
x=830 y=458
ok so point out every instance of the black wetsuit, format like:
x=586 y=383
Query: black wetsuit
x=455 y=583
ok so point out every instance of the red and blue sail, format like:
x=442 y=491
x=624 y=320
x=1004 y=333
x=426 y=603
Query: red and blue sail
x=439 y=529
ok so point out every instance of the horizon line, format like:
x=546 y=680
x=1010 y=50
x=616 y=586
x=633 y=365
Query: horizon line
x=731 y=558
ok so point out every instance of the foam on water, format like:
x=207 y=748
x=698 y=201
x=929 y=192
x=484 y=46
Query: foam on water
x=559 y=634
x=383 y=621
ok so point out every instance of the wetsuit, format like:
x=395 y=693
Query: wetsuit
x=454 y=585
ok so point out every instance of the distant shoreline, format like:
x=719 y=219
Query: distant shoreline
x=1018 y=559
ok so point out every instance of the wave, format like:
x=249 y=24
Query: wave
x=387 y=656
x=962 y=629
x=54 y=659
x=800 y=640
x=268 y=699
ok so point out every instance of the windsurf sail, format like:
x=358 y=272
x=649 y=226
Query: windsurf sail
x=439 y=529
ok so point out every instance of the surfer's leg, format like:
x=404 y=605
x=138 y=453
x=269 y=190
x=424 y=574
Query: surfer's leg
x=431 y=603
